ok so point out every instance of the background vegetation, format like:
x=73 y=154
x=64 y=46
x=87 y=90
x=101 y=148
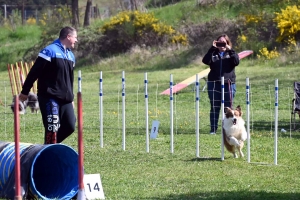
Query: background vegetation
x=135 y=174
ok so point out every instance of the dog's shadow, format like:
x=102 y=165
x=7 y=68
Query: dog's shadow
x=204 y=159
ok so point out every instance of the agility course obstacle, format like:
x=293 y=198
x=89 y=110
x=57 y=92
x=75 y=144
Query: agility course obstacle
x=44 y=171
x=171 y=98
x=17 y=74
x=201 y=75
x=37 y=171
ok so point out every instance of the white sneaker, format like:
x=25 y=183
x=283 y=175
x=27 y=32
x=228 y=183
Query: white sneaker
x=212 y=133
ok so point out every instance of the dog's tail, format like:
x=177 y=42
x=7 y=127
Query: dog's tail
x=229 y=147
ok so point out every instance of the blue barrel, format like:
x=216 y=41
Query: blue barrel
x=7 y=161
x=50 y=171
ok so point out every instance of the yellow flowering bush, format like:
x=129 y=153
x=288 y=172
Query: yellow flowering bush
x=129 y=28
x=31 y=21
x=288 y=23
x=265 y=54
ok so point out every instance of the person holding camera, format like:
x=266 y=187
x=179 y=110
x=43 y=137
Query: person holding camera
x=222 y=60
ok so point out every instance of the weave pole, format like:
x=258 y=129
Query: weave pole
x=18 y=195
x=101 y=109
x=223 y=115
x=171 y=115
x=81 y=194
x=123 y=111
x=197 y=115
x=248 y=118
x=146 y=113
x=276 y=122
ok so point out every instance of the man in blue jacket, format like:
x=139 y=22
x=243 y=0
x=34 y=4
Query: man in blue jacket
x=54 y=70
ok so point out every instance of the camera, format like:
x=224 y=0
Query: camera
x=220 y=44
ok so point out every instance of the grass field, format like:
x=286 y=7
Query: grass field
x=159 y=174
x=135 y=174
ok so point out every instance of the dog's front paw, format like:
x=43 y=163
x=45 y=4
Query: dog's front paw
x=241 y=154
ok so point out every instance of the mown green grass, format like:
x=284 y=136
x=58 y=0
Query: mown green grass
x=135 y=174
x=160 y=174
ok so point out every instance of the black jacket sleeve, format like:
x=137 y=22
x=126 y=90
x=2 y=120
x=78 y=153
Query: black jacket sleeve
x=207 y=58
x=33 y=74
x=234 y=58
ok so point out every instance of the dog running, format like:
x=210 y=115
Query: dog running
x=234 y=131
x=31 y=102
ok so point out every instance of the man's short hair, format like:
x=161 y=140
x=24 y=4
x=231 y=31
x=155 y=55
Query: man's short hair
x=64 y=32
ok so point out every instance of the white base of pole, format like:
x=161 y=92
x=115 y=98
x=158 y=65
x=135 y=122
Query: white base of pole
x=81 y=195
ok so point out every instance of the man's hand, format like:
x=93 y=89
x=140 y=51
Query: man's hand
x=23 y=97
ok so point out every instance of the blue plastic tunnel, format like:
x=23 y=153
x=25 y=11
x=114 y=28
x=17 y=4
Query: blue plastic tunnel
x=47 y=171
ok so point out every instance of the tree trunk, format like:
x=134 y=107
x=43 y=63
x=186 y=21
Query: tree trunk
x=87 y=15
x=75 y=13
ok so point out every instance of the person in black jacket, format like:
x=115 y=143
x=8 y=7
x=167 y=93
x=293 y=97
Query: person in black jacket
x=54 y=70
x=222 y=61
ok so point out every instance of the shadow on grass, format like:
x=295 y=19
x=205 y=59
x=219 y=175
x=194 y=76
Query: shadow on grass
x=236 y=195
x=205 y=159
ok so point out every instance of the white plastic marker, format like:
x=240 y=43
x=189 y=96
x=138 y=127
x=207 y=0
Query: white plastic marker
x=93 y=186
x=154 y=129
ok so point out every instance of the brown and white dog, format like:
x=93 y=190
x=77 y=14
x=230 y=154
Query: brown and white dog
x=234 y=131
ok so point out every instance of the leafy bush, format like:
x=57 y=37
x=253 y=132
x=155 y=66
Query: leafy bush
x=131 y=28
x=288 y=23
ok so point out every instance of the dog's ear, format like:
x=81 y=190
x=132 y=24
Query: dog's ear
x=238 y=108
x=226 y=109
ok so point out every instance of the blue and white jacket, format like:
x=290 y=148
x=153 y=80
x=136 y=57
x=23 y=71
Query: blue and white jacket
x=54 y=70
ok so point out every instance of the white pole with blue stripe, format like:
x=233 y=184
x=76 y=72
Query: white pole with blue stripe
x=101 y=109
x=171 y=115
x=248 y=117
x=276 y=122
x=222 y=111
x=197 y=116
x=79 y=81
x=146 y=113
x=123 y=110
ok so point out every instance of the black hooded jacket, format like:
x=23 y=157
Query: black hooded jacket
x=221 y=67
x=54 y=70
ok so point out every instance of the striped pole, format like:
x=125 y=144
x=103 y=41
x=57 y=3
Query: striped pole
x=81 y=194
x=197 y=116
x=18 y=195
x=146 y=112
x=222 y=111
x=248 y=117
x=101 y=109
x=276 y=122
x=171 y=115
x=123 y=110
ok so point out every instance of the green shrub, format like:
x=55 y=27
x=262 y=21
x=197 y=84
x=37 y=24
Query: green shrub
x=130 y=28
x=288 y=23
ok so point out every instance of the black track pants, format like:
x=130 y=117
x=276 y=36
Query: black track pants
x=58 y=119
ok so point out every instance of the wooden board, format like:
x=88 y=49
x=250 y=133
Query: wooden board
x=201 y=75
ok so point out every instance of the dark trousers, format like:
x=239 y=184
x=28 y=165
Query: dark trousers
x=215 y=97
x=58 y=119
